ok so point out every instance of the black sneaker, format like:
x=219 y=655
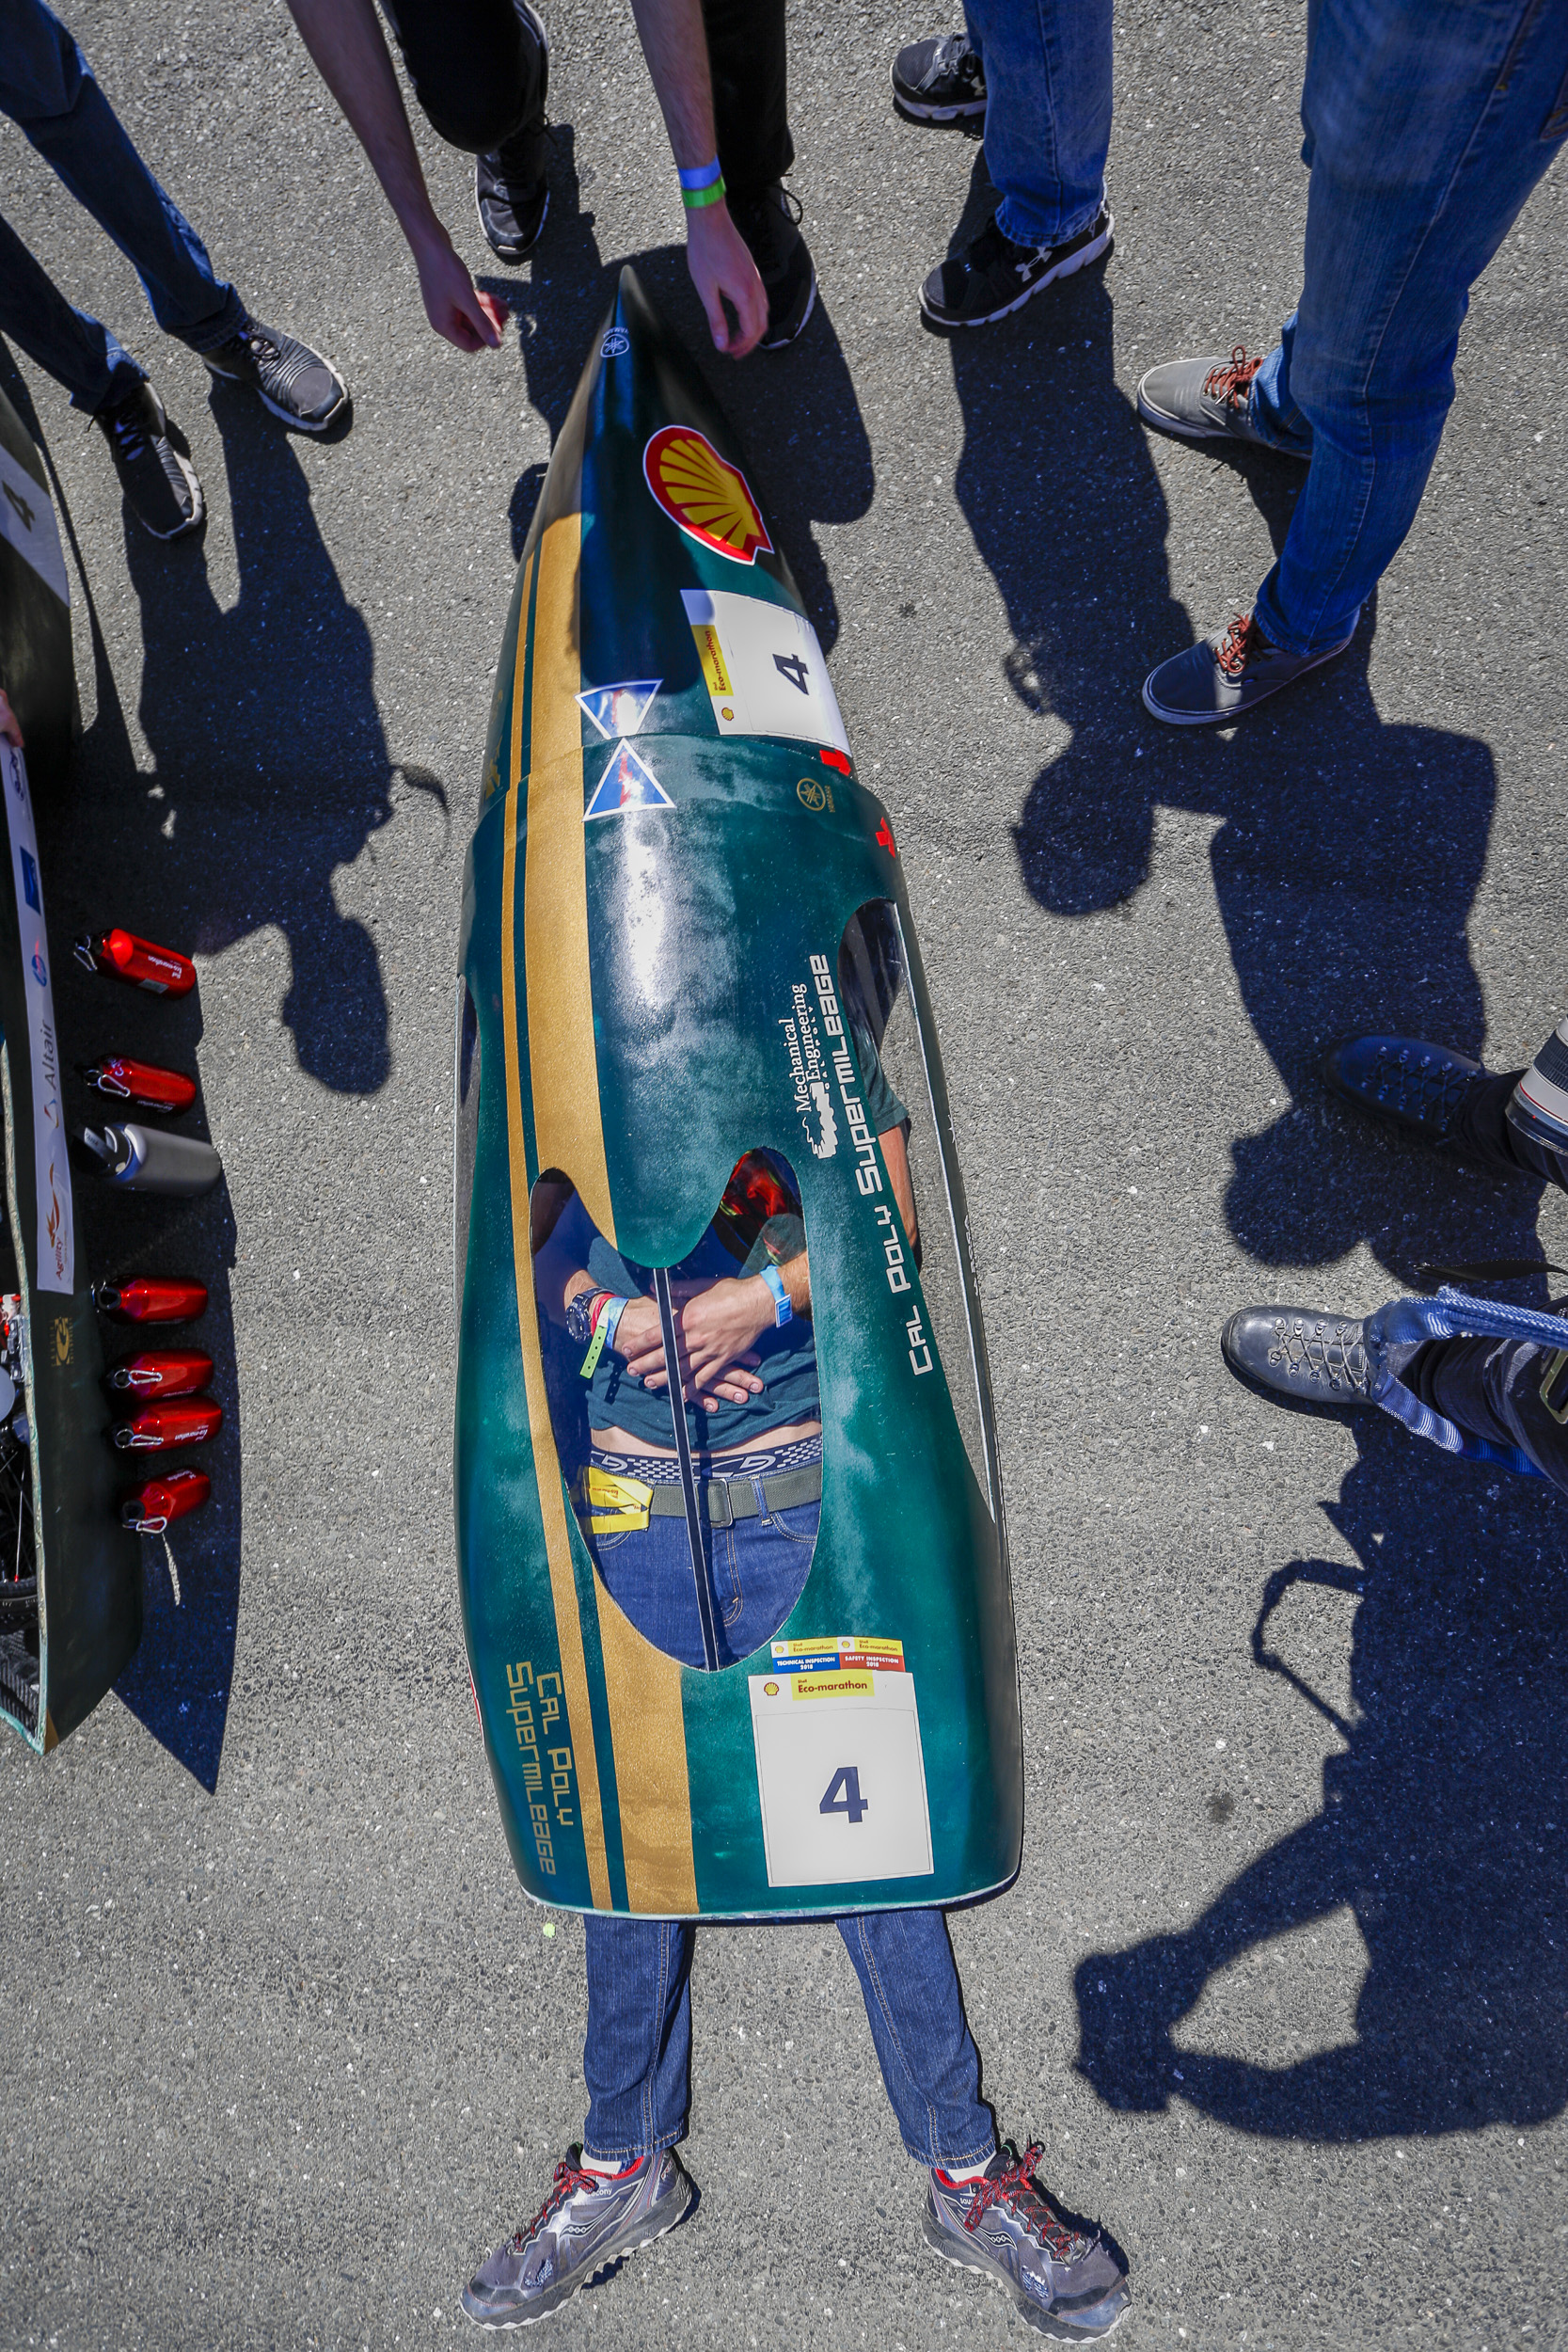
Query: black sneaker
x=1067 y=2285
x=1302 y=1353
x=511 y=194
x=940 y=81
x=161 y=489
x=1227 y=675
x=287 y=376
x=993 y=276
x=1207 y=399
x=1430 y=1091
x=768 y=223
x=588 y=2222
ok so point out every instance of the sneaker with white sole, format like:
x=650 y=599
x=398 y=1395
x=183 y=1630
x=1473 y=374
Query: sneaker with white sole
x=286 y=375
x=1207 y=399
x=1227 y=675
x=941 y=80
x=588 y=2222
x=161 y=489
x=995 y=276
x=1067 y=2286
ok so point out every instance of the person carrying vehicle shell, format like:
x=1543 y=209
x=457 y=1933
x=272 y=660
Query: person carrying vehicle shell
x=742 y=1313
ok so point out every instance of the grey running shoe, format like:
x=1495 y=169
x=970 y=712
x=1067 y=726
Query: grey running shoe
x=588 y=2222
x=996 y=274
x=1300 y=1352
x=161 y=489
x=1066 y=2285
x=1227 y=675
x=286 y=375
x=940 y=81
x=1206 y=400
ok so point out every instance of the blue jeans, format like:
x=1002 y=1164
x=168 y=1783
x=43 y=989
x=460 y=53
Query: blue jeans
x=1048 y=111
x=756 y=1573
x=637 y=2055
x=47 y=88
x=1428 y=123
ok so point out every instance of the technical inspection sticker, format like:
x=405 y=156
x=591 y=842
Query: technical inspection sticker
x=763 y=668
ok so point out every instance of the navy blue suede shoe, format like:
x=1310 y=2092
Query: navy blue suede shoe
x=1427 y=1090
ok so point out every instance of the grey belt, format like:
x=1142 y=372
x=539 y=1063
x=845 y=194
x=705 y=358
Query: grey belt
x=731 y=1499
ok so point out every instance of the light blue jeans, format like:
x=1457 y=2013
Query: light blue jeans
x=1428 y=123
x=1048 y=111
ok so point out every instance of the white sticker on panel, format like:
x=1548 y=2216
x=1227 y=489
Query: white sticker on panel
x=763 y=668
x=57 y=1241
x=27 y=520
x=841 y=1777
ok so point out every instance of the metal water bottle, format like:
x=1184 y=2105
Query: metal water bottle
x=163 y=1371
x=157 y=1502
x=144 y=1159
x=141 y=1082
x=162 y=970
x=151 y=1298
x=159 y=1427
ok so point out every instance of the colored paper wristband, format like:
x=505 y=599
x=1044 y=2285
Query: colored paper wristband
x=782 y=1311
x=700 y=176
x=604 y=1332
x=695 y=199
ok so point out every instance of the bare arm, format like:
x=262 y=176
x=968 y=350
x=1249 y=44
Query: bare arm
x=345 y=41
x=675 y=46
x=895 y=1155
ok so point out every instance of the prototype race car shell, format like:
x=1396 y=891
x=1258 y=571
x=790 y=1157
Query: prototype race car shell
x=688 y=966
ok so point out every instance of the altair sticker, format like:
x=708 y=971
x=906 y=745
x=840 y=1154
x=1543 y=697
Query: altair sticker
x=628 y=783
x=620 y=709
x=710 y=499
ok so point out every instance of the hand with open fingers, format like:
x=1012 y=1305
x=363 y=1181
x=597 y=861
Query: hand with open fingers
x=454 y=306
x=10 y=731
x=722 y=270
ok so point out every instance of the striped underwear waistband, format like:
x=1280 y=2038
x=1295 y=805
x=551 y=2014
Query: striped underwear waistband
x=657 y=1470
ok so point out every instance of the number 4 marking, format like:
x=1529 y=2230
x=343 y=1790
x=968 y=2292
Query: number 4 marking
x=24 y=512
x=794 y=669
x=848 y=1778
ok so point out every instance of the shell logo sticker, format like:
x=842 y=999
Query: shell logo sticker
x=710 y=499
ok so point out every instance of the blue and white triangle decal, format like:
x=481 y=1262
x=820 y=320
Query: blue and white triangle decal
x=620 y=709
x=628 y=783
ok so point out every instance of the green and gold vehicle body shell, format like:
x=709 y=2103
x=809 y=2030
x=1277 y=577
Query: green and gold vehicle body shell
x=659 y=923
x=62 y=1642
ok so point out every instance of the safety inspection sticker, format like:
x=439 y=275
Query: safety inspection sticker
x=840 y=1772
x=763 y=668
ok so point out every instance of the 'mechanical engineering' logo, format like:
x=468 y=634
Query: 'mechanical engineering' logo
x=709 y=497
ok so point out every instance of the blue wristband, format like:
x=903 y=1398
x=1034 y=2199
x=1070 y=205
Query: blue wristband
x=701 y=176
x=782 y=1311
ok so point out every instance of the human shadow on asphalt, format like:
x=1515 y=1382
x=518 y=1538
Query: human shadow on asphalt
x=795 y=410
x=1444 y=1828
x=1347 y=853
x=103 y=863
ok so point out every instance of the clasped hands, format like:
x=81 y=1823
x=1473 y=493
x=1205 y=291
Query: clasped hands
x=716 y=1326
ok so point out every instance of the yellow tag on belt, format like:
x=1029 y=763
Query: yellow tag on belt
x=617 y=1507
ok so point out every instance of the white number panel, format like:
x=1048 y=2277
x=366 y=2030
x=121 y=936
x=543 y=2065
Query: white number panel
x=27 y=520
x=841 y=1777
x=763 y=668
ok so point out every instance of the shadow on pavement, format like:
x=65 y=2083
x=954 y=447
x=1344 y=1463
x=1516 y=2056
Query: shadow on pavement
x=795 y=409
x=1444 y=1828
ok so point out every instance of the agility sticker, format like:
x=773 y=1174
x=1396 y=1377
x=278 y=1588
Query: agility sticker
x=57 y=1241
x=627 y=782
x=763 y=669
x=620 y=709
x=710 y=499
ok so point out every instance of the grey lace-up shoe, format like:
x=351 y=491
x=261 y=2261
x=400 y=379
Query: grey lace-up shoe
x=286 y=375
x=1067 y=2285
x=1206 y=400
x=1303 y=1353
x=587 y=2222
x=1225 y=677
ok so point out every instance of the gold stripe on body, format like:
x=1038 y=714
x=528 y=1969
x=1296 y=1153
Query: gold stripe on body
x=652 y=1781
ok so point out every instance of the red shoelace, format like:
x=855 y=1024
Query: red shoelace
x=569 y=2178
x=1235 y=645
x=1016 y=2184
x=1230 y=384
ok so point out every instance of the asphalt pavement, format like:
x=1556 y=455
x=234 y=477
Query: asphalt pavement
x=1283 y=1986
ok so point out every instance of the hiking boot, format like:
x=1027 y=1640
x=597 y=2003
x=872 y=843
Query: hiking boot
x=768 y=223
x=1429 y=1091
x=940 y=81
x=588 y=2222
x=1207 y=399
x=1301 y=1353
x=287 y=376
x=161 y=489
x=1227 y=675
x=995 y=276
x=1067 y=2286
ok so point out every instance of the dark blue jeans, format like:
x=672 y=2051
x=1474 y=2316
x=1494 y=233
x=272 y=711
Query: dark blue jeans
x=637 y=2056
x=47 y=88
x=756 y=1573
x=1428 y=123
x=1048 y=111
x=1507 y=1391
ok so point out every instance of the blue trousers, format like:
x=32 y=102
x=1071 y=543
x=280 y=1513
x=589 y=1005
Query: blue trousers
x=1048 y=111
x=1428 y=123
x=47 y=89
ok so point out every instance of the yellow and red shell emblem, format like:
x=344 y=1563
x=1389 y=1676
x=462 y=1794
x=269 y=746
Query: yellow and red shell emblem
x=706 y=494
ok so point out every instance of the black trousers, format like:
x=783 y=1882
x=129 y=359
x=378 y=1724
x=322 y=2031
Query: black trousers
x=479 y=74
x=1509 y=1391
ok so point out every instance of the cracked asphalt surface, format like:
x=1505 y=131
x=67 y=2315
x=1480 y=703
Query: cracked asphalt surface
x=1283 y=1986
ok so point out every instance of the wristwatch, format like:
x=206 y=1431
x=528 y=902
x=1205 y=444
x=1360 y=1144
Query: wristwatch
x=782 y=1311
